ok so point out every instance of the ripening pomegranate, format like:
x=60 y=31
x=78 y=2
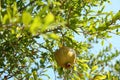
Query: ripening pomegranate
x=65 y=57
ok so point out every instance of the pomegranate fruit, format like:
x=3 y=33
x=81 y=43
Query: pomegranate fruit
x=65 y=57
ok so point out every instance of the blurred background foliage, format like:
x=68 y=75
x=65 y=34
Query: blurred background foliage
x=32 y=30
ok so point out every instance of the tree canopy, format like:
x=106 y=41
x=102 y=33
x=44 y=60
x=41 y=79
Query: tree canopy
x=32 y=30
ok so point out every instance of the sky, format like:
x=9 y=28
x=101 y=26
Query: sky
x=115 y=40
x=114 y=6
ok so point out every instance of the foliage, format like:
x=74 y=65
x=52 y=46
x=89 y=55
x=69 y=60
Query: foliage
x=32 y=30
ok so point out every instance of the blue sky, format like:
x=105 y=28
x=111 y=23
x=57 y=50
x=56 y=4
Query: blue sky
x=114 y=6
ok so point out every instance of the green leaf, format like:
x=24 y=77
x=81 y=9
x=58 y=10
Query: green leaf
x=73 y=79
x=87 y=74
x=47 y=21
x=116 y=16
x=26 y=18
x=49 y=18
x=85 y=66
x=53 y=36
x=5 y=19
x=30 y=78
x=35 y=26
x=110 y=46
x=15 y=8
x=94 y=68
x=75 y=68
x=109 y=75
x=92 y=28
x=35 y=75
x=76 y=77
x=57 y=3
x=83 y=60
x=100 y=77
x=102 y=42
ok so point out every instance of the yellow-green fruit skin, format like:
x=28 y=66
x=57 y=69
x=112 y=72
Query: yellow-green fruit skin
x=65 y=55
